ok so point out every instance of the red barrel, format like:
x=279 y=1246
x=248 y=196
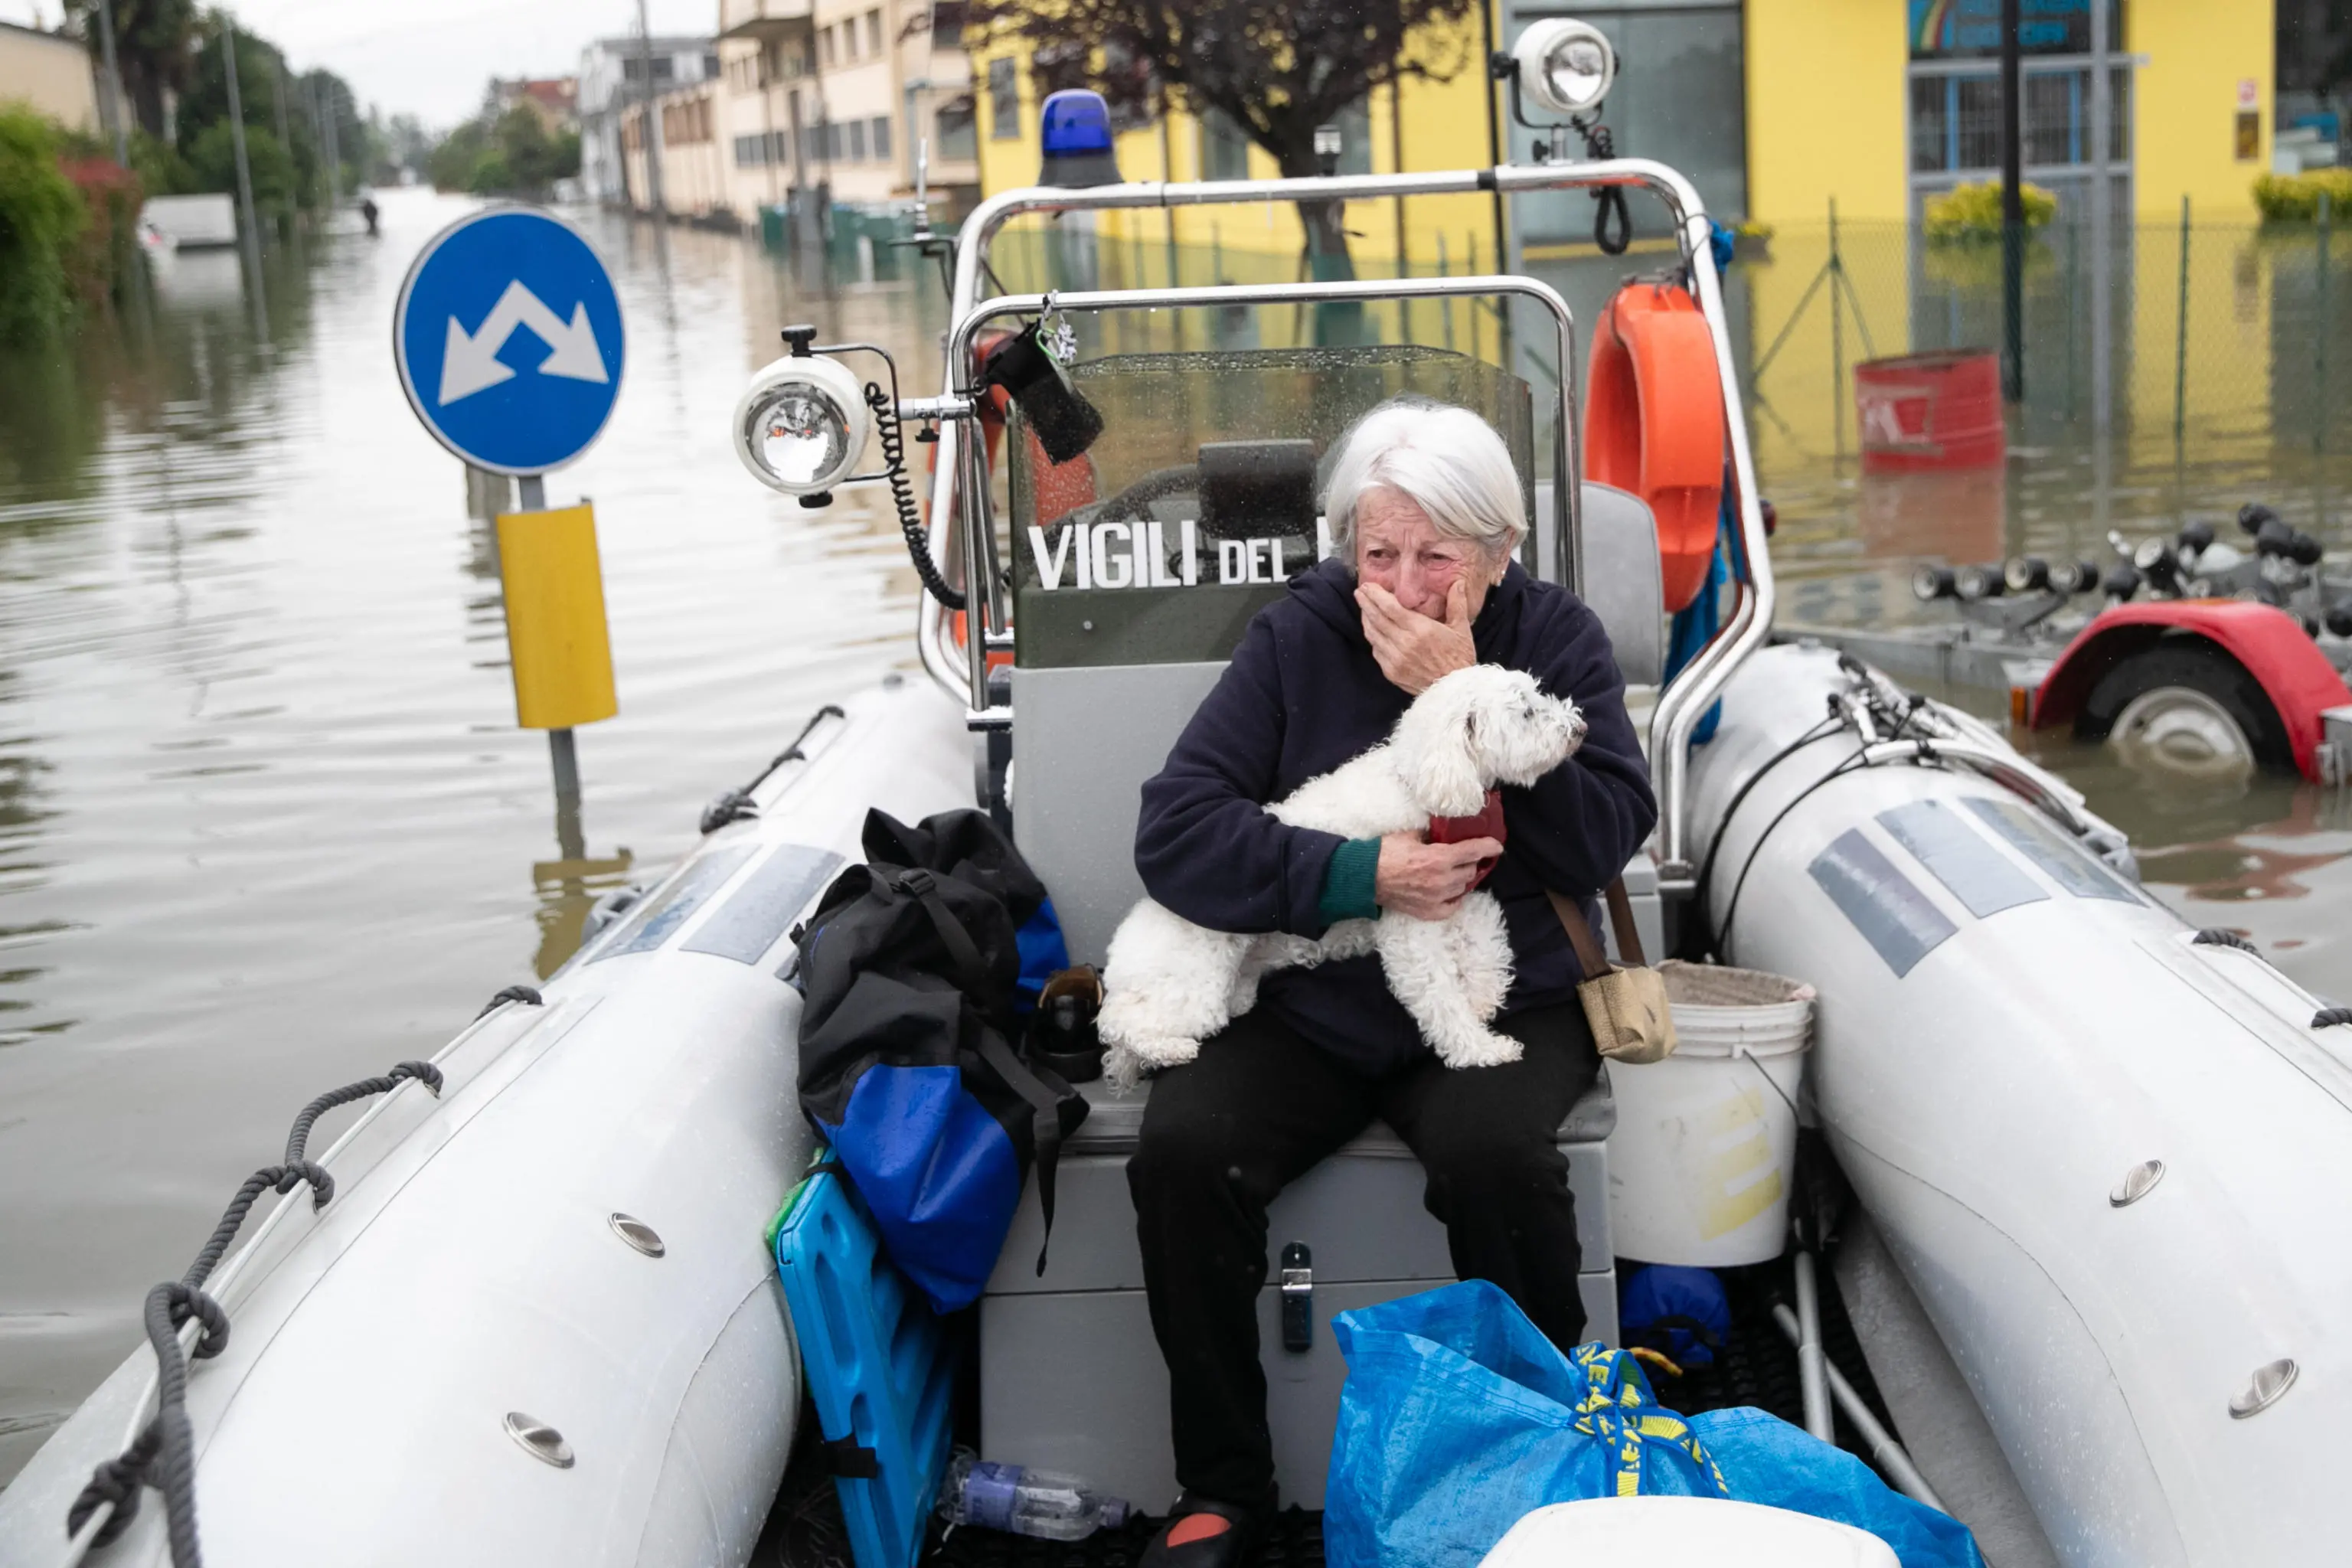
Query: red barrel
x=1924 y=412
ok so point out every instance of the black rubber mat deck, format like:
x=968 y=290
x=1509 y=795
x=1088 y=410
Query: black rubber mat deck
x=1756 y=1366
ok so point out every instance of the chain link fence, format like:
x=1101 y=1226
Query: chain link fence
x=2170 y=370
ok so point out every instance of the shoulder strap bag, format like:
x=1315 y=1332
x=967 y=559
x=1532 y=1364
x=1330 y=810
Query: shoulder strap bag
x=1625 y=1004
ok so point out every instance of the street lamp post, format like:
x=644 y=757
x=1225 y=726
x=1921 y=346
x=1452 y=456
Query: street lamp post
x=113 y=84
x=2012 y=210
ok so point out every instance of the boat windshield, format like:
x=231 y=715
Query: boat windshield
x=1111 y=562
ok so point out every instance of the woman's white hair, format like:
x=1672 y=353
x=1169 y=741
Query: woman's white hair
x=1445 y=459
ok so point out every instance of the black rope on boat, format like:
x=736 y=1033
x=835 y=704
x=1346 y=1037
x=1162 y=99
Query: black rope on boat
x=116 y=1484
x=736 y=805
x=2220 y=936
x=2329 y=1017
x=893 y=437
x=163 y=1456
x=522 y=994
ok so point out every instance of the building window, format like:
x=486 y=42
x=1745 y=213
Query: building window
x=954 y=134
x=1956 y=121
x=1224 y=149
x=1956 y=99
x=1003 y=100
x=824 y=41
x=857 y=141
x=882 y=136
x=874 y=32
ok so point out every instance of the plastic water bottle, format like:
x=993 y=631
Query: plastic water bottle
x=1039 y=1503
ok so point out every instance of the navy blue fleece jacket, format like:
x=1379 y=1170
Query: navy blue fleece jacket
x=1303 y=695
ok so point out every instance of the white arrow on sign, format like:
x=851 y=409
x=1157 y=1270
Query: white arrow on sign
x=471 y=363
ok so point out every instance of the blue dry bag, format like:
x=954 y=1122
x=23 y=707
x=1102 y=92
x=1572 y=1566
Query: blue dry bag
x=911 y=968
x=1681 y=1314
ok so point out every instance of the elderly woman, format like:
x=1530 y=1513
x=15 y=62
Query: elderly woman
x=1424 y=510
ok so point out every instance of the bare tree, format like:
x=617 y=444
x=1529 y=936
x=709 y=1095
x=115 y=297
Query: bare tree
x=1277 y=70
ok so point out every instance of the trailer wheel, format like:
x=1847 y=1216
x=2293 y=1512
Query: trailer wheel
x=2186 y=708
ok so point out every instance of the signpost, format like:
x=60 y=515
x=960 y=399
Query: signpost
x=508 y=336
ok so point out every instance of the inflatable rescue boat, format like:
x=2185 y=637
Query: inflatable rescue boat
x=519 y=1309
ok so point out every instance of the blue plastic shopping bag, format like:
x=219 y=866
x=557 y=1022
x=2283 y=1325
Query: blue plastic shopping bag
x=1459 y=1417
x=1768 y=1461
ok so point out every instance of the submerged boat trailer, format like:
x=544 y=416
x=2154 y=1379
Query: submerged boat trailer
x=2252 y=694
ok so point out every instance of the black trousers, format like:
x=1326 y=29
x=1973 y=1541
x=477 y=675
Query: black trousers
x=1256 y=1111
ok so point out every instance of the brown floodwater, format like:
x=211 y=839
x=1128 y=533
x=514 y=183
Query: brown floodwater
x=267 y=824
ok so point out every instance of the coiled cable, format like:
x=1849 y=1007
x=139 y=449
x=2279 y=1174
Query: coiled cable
x=893 y=437
x=1609 y=200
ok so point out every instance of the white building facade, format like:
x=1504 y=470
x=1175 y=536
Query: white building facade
x=821 y=96
x=613 y=77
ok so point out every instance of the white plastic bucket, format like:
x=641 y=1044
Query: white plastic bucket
x=1704 y=1155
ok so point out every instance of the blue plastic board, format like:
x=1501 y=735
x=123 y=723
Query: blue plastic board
x=508 y=335
x=877 y=1363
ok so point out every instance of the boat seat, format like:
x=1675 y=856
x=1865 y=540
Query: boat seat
x=1622 y=575
x=1071 y=1378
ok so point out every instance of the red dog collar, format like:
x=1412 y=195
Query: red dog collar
x=1486 y=824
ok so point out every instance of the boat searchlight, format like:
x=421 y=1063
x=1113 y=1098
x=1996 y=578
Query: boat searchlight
x=801 y=424
x=1565 y=65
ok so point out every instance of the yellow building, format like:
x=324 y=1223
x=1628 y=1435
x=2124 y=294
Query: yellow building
x=1774 y=108
x=1878 y=103
x=1415 y=124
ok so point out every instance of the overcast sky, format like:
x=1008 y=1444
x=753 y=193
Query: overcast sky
x=431 y=58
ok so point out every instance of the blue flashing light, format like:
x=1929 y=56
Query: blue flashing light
x=1077 y=123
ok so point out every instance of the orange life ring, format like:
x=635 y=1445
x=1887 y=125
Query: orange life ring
x=1653 y=424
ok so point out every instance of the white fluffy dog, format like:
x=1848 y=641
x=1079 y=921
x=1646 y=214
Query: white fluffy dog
x=1169 y=985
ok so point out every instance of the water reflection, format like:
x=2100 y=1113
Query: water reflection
x=266 y=822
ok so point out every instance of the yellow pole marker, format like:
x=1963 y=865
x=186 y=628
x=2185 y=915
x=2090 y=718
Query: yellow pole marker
x=556 y=636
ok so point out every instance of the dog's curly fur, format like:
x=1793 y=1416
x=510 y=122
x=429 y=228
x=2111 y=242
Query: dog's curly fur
x=1170 y=983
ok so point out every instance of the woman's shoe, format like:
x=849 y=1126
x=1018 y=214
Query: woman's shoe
x=1202 y=1532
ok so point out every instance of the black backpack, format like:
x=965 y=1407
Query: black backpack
x=905 y=1061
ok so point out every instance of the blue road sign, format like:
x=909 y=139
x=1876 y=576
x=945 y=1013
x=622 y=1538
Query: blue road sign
x=508 y=335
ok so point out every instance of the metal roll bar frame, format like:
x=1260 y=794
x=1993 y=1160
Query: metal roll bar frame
x=978 y=544
x=961 y=470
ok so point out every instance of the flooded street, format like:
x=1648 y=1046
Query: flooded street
x=266 y=825
x=269 y=825
x=2221 y=392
